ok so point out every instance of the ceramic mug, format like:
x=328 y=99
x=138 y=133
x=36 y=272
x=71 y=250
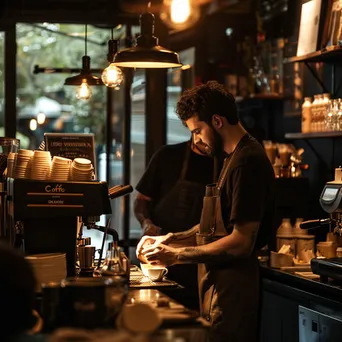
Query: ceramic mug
x=157 y=273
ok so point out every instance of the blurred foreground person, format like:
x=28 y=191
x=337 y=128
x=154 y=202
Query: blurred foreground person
x=17 y=297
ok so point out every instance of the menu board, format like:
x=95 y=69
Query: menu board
x=71 y=145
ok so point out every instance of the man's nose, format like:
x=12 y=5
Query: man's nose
x=196 y=139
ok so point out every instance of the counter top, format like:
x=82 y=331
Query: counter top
x=331 y=290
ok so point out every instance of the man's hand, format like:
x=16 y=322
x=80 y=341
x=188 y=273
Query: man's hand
x=149 y=228
x=148 y=241
x=161 y=255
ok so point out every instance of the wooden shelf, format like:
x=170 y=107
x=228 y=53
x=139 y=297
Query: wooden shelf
x=314 y=135
x=329 y=55
x=260 y=97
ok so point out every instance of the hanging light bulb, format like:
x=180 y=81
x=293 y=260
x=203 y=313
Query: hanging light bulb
x=85 y=78
x=112 y=76
x=83 y=92
x=179 y=14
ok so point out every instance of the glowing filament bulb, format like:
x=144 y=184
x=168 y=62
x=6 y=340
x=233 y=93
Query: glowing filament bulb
x=112 y=76
x=83 y=92
x=180 y=11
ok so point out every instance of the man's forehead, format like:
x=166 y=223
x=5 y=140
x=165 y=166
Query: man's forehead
x=193 y=123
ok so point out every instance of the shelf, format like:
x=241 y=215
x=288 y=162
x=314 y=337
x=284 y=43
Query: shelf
x=260 y=97
x=329 y=55
x=314 y=135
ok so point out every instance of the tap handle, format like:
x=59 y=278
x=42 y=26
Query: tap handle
x=314 y=224
x=119 y=190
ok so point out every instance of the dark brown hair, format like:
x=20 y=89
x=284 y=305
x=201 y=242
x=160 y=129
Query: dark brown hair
x=206 y=100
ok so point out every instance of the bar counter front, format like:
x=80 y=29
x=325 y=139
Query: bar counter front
x=298 y=309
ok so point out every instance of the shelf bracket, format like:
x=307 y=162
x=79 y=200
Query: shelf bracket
x=315 y=75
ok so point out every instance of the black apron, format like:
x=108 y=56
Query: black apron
x=229 y=294
x=179 y=210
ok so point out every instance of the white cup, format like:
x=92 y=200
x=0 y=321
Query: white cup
x=155 y=273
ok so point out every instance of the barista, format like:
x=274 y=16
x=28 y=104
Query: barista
x=170 y=199
x=229 y=235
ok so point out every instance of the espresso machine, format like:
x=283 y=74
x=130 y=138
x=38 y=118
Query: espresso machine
x=49 y=212
x=331 y=202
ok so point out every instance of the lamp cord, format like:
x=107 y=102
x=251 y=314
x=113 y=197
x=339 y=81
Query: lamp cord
x=85 y=40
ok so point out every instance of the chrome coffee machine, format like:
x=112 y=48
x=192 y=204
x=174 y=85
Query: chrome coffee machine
x=49 y=213
x=331 y=202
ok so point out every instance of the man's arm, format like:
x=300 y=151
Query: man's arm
x=142 y=212
x=239 y=244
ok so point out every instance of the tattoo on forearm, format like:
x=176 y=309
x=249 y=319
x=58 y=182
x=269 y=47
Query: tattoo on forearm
x=196 y=255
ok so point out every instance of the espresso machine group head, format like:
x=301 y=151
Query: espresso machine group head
x=50 y=210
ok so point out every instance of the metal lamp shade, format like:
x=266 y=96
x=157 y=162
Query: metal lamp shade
x=143 y=57
x=85 y=74
x=147 y=53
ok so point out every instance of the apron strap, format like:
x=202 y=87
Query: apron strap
x=227 y=162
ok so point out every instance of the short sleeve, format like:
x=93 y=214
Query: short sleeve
x=150 y=181
x=250 y=184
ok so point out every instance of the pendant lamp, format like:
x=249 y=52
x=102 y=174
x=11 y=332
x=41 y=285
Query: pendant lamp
x=147 y=53
x=85 y=78
x=112 y=76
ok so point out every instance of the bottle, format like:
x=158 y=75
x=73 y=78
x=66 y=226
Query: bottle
x=323 y=111
x=306 y=115
x=113 y=264
x=315 y=107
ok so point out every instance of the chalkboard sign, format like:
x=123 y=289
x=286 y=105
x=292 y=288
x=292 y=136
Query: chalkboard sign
x=71 y=145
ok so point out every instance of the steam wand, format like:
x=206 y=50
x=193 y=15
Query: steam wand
x=105 y=231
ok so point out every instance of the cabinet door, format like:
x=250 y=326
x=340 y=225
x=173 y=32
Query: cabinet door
x=330 y=329
x=271 y=320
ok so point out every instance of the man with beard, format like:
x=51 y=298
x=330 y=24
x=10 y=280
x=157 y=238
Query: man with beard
x=239 y=224
x=170 y=199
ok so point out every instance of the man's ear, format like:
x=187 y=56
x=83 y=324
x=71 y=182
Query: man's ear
x=216 y=121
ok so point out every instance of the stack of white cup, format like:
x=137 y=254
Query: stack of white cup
x=23 y=164
x=40 y=165
x=82 y=170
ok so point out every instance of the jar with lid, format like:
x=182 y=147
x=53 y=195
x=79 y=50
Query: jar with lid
x=306 y=115
x=285 y=235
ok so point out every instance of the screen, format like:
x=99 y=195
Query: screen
x=330 y=194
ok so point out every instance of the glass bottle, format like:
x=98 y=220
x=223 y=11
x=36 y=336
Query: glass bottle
x=315 y=109
x=113 y=264
x=323 y=112
x=306 y=115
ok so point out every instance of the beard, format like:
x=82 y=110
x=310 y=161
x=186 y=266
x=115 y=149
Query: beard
x=214 y=147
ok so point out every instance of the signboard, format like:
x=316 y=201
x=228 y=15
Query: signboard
x=309 y=27
x=71 y=145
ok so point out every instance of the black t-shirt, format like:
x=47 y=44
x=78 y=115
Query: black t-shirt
x=164 y=170
x=249 y=194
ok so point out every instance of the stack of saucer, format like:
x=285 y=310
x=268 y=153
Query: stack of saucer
x=48 y=267
x=23 y=164
x=40 y=165
x=82 y=170
x=60 y=169
x=11 y=159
